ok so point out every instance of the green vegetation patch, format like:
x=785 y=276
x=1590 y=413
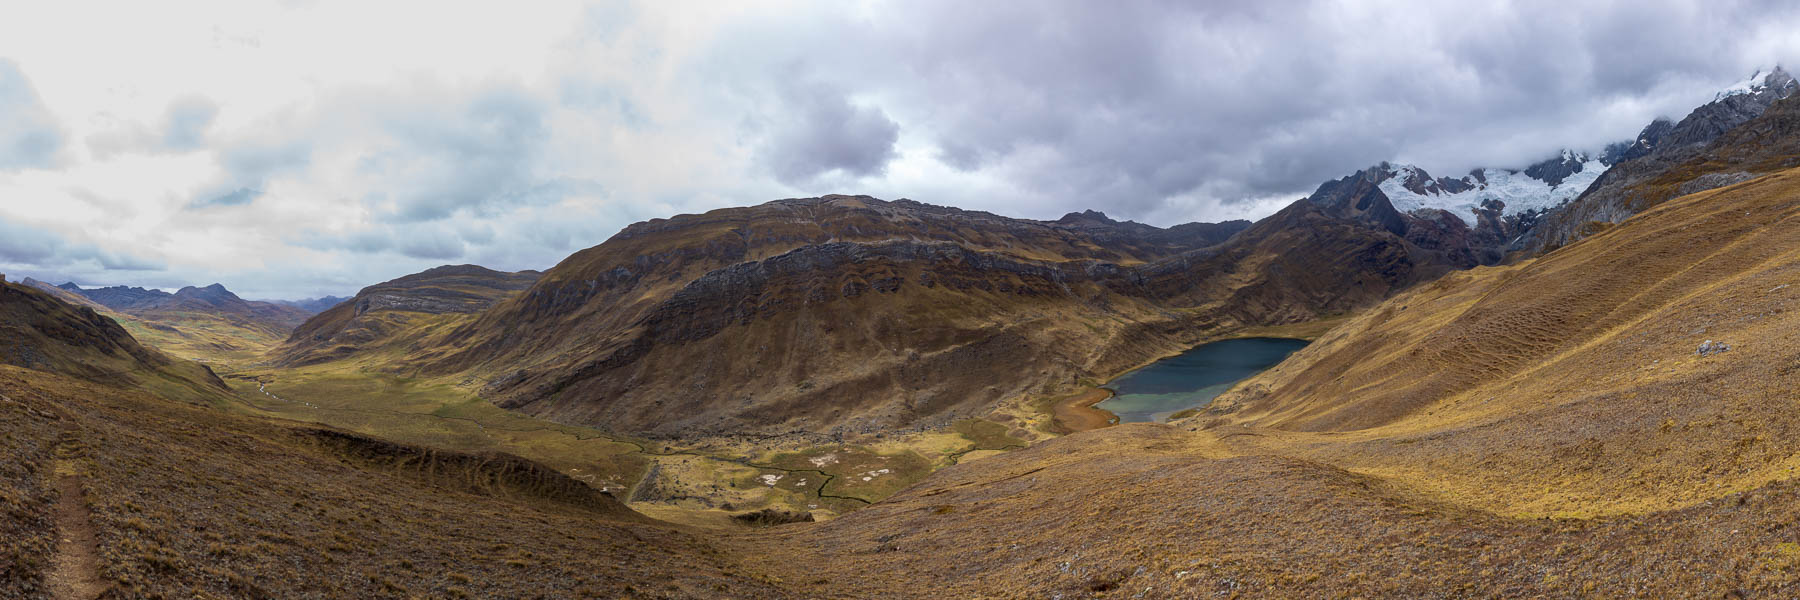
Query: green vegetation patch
x=986 y=435
x=857 y=472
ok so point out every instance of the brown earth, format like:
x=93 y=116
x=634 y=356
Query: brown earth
x=1539 y=430
x=875 y=317
x=188 y=501
x=1077 y=413
x=395 y=314
x=74 y=573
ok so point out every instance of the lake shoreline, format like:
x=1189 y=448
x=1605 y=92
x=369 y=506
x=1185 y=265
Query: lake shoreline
x=1076 y=413
x=1192 y=378
x=1079 y=406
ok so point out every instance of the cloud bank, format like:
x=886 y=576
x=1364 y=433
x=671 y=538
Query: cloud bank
x=303 y=149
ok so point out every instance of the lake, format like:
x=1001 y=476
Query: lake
x=1193 y=378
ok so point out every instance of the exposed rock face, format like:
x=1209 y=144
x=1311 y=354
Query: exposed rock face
x=1555 y=170
x=381 y=310
x=1643 y=177
x=1357 y=198
x=1646 y=141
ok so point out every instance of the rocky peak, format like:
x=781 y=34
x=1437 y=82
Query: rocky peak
x=1359 y=198
x=214 y=294
x=1087 y=217
x=1645 y=143
x=1555 y=170
x=1776 y=81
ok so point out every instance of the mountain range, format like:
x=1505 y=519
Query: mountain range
x=1568 y=380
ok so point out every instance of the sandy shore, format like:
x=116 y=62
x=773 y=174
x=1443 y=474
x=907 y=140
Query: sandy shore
x=1077 y=412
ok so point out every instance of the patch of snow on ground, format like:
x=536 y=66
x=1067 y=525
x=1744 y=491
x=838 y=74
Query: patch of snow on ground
x=1519 y=191
x=770 y=479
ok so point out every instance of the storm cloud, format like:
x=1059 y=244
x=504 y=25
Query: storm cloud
x=283 y=165
x=822 y=132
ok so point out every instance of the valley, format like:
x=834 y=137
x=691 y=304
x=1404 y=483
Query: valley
x=1570 y=379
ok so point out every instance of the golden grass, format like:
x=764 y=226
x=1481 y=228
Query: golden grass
x=1538 y=389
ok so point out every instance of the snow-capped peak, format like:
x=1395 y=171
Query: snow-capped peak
x=1759 y=81
x=1410 y=188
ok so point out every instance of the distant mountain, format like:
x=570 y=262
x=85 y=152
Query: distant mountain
x=121 y=297
x=1548 y=203
x=312 y=305
x=213 y=298
x=206 y=323
x=380 y=314
x=63 y=294
x=1663 y=160
x=1512 y=193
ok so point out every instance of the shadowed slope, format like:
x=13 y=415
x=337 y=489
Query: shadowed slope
x=38 y=331
x=396 y=312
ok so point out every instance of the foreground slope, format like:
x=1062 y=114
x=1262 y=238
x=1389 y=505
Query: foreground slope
x=114 y=486
x=192 y=502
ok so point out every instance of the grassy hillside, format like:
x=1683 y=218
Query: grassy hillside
x=1543 y=429
x=1539 y=388
x=870 y=316
x=187 y=501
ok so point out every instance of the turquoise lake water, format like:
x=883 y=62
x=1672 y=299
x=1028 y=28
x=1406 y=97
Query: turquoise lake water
x=1193 y=378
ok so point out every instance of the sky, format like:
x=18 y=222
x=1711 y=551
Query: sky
x=298 y=148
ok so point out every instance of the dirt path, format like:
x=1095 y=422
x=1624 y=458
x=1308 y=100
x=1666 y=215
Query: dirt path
x=75 y=571
x=1077 y=413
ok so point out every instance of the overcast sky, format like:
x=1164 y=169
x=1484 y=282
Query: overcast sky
x=296 y=149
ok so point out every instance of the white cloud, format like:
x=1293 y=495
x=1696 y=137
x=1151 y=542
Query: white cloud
x=298 y=149
x=29 y=135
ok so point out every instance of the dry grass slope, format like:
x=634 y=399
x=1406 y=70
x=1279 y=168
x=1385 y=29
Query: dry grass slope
x=1544 y=429
x=192 y=502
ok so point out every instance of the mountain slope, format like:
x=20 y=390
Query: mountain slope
x=866 y=315
x=396 y=312
x=1663 y=151
x=186 y=501
x=209 y=323
x=312 y=306
x=1559 y=427
x=38 y=331
x=1574 y=365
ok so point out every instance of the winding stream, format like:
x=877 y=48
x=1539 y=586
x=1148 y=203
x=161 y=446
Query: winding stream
x=1193 y=378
